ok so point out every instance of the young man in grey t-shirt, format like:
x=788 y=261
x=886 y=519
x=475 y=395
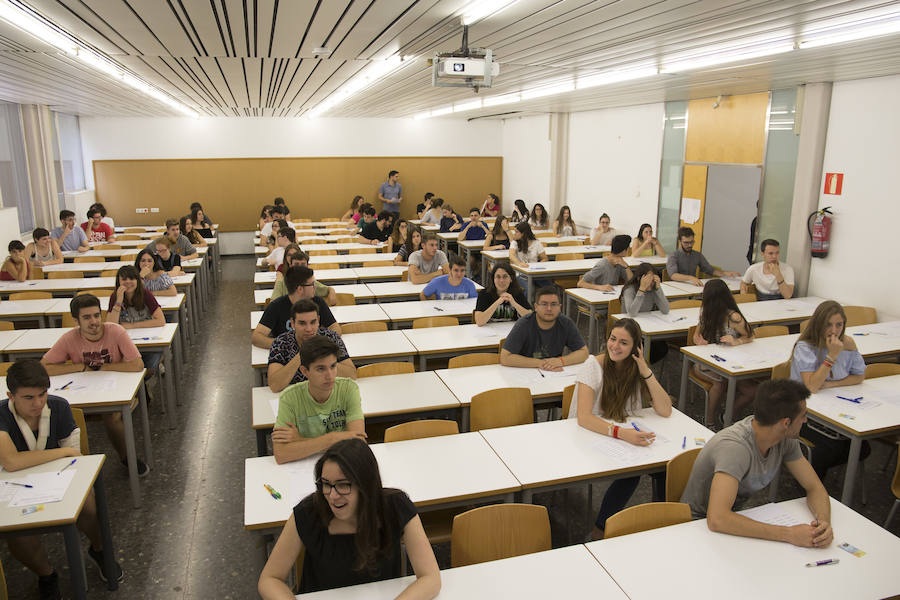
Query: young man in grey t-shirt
x=611 y=269
x=743 y=459
x=429 y=262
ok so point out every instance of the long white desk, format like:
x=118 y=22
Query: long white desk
x=352 y=313
x=266 y=279
x=360 y=292
x=392 y=291
x=402 y=314
x=690 y=561
x=436 y=342
x=491 y=257
x=563 y=268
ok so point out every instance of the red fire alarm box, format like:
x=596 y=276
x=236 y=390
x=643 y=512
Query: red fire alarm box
x=834 y=182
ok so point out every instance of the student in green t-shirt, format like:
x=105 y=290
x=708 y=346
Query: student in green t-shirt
x=316 y=413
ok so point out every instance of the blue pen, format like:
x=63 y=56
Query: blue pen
x=683 y=442
x=67 y=385
x=66 y=467
x=633 y=424
x=854 y=400
x=17 y=483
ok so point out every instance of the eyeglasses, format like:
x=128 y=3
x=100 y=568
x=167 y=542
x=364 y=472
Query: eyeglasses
x=548 y=304
x=343 y=487
x=308 y=284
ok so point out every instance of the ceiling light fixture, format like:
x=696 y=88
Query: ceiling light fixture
x=548 y=90
x=464 y=106
x=34 y=24
x=481 y=9
x=610 y=77
x=502 y=99
x=858 y=31
x=366 y=77
x=725 y=55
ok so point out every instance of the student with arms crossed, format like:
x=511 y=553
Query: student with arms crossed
x=429 y=262
x=682 y=264
x=611 y=387
x=36 y=428
x=825 y=357
x=743 y=459
x=43 y=250
x=503 y=299
x=295 y=257
x=538 y=340
x=475 y=229
x=609 y=270
x=317 y=412
x=351 y=528
x=97 y=346
x=645 y=244
x=16 y=267
x=69 y=236
x=455 y=286
x=276 y=319
x=284 y=355
x=773 y=279
x=170 y=261
x=450 y=221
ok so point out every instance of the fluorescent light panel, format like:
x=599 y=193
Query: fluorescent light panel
x=44 y=31
x=365 y=78
x=842 y=34
x=611 y=77
x=725 y=56
x=480 y=9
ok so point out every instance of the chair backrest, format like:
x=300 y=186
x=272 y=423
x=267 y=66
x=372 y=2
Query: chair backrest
x=860 y=315
x=498 y=531
x=360 y=251
x=78 y=416
x=330 y=220
x=88 y=259
x=322 y=252
x=475 y=359
x=568 y=394
x=782 y=370
x=570 y=256
x=346 y=240
x=326 y=266
x=385 y=368
x=404 y=276
x=678 y=470
x=31 y=296
x=36 y=273
x=65 y=275
x=128 y=236
x=423 y=322
x=881 y=370
x=685 y=303
x=415 y=430
x=502 y=407
x=111 y=247
x=770 y=331
x=803 y=325
x=345 y=299
x=109 y=273
x=570 y=243
x=363 y=327
x=543 y=234
x=69 y=321
x=690 y=334
x=646 y=516
x=316 y=242
x=378 y=263
x=4 y=367
x=741 y=298
x=7 y=325
x=134 y=230
x=104 y=293
x=615 y=307
x=132 y=256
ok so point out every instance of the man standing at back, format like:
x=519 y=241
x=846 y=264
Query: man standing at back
x=682 y=264
x=391 y=193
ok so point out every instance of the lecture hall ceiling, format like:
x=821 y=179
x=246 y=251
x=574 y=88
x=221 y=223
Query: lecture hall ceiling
x=246 y=58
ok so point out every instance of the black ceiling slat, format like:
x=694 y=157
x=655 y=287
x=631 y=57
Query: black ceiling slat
x=276 y=72
x=256 y=30
x=261 y=63
x=246 y=29
x=183 y=28
x=225 y=79
x=309 y=23
x=14 y=45
x=97 y=31
x=302 y=85
x=287 y=62
x=321 y=85
x=272 y=32
x=389 y=25
x=287 y=87
x=194 y=29
x=212 y=5
x=168 y=80
x=352 y=27
x=228 y=27
x=246 y=83
x=190 y=72
x=147 y=27
x=199 y=91
x=209 y=79
x=337 y=23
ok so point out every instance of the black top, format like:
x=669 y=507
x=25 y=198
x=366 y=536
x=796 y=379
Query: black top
x=420 y=207
x=61 y=424
x=370 y=231
x=448 y=222
x=504 y=312
x=530 y=341
x=330 y=559
x=174 y=261
x=277 y=315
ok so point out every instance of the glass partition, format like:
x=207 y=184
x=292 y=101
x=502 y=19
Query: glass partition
x=670 y=173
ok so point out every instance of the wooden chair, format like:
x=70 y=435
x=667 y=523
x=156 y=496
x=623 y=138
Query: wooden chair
x=499 y=531
x=404 y=276
x=326 y=266
x=646 y=516
x=109 y=273
x=860 y=315
x=895 y=489
x=132 y=256
x=544 y=234
x=78 y=416
x=685 y=304
x=503 y=407
x=65 y=275
x=31 y=296
x=134 y=230
x=302 y=221
x=100 y=293
x=37 y=273
x=803 y=325
x=345 y=300
x=330 y=220
x=423 y=322
x=473 y=360
x=385 y=368
x=424 y=428
x=765 y=331
x=678 y=471
x=570 y=256
x=69 y=321
x=322 y=252
x=570 y=243
x=7 y=326
x=346 y=240
x=316 y=242
x=614 y=308
x=363 y=327
x=741 y=298
x=88 y=259
x=782 y=370
x=361 y=251
x=128 y=236
x=881 y=370
x=378 y=263
x=568 y=394
x=695 y=377
x=4 y=367
x=111 y=247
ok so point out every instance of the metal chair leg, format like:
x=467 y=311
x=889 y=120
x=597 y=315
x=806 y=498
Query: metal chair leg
x=891 y=514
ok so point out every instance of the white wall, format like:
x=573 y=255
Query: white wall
x=145 y=138
x=526 y=161
x=863 y=129
x=614 y=158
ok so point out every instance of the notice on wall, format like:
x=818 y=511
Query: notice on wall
x=690 y=210
x=834 y=182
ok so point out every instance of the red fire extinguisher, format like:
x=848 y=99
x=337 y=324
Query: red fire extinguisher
x=819 y=226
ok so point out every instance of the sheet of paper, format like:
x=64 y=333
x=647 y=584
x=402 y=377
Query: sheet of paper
x=668 y=319
x=301 y=480
x=48 y=487
x=7 y=492
x=273 y=402
x=690 y=210
x=660 y=438
x=742 y=356
x=832 y=402
x=618 y=450
x=567 y=371
x=771 y=514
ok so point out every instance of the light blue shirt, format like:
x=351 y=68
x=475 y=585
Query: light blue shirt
x=73 y=241
x=808 y=358
x=390 y=192
x=440 y=288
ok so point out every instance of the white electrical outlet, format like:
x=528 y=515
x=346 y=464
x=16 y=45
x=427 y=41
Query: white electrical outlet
x=154 y=210
x=142 y=210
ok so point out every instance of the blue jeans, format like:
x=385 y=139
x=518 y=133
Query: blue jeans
x=620 y=492
x=151 y=359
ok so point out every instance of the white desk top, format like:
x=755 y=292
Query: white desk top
x=259 y=357
x=400 y=289
x=384 y=395
x=358 y=312
x=555 y=239
x=461 y=337
x=745 y=568
x=41 y=340
x=532 y=452
x=24 y=308
x=468 y=381
x=413 y=309
x=378 y=344
x=8 y=337
x=54 y=513
x=87 y=267
x=360 y=292
x=267 y=278
x=522 y=577
x=365 y=274
x=255 y=316
x=654 y=322
x=348 y=259
x=93 y=388
x=598 y=297
x=60 y=306
x=554 y=251
x=76 y=283
x=878 y=410
x=432 y=471
x=733 y=283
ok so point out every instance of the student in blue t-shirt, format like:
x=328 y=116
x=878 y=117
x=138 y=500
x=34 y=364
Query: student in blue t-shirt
x=475 y=229
x=455 y=286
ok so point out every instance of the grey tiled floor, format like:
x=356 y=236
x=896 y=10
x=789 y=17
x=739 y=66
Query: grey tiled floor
x=187 y=540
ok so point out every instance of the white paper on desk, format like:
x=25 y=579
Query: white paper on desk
x=833 y=402
x=48 y=487
x=666 y=318
x=303 y=474
x=7 y=492
x=492 y=331
x=619 y=450
x=886 y=396
x=741 y=356
x=273 y=402
x=567 y=371
x=690 y=210
x=772 y=514
x=660 y=438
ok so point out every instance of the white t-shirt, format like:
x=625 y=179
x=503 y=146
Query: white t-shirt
x=534 y=251
x=765 y=282
x=591 y=374
x=605 y=238
x=276 y=257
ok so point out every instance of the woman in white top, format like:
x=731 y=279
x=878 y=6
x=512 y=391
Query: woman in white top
x=603 y=234
x=433 y=216
x=538 y=218
x=564 y=226
x=610 y=387
x=524 y=247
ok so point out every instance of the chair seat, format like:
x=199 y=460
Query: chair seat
x=439 y=523
x=700 y=380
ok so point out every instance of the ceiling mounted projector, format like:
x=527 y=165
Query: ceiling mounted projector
x=467 y=67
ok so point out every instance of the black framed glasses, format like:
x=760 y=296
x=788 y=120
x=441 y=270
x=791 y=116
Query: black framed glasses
x=343 y=487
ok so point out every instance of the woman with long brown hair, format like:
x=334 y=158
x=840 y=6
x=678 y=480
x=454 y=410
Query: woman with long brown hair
x=610 y=387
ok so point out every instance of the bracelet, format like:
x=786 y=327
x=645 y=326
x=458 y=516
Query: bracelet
x=828 y=363
x=780 y=282
x=562 y=361
x=616 y=432
x=648 y=376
